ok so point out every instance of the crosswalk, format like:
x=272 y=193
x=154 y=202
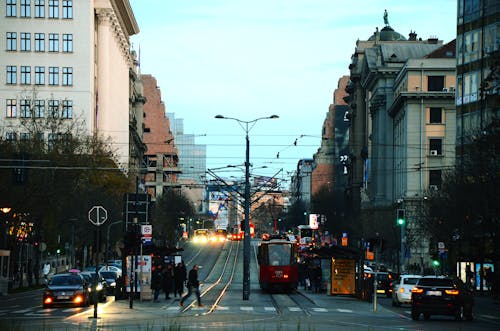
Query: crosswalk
x=264 y=309
x=38 y=311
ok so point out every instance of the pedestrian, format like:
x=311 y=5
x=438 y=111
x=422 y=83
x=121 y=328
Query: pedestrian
x=193 y=285
x=168 y=280
x=156 y=282
x=180 y=276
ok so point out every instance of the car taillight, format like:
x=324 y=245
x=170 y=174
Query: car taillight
x=48 y=300
x=78 y=299
x=417 y=290
x=452 y=292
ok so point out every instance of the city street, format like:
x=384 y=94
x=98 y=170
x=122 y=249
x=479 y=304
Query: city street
x=303 y=310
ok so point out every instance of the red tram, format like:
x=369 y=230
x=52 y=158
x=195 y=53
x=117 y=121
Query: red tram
x=278 y=269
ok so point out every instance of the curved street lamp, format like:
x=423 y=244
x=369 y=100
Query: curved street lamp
x=247 y=126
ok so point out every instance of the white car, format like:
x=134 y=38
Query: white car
x=401 y=289
x=111 y=268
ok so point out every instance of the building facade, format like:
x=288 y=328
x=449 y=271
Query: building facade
x=69 y=59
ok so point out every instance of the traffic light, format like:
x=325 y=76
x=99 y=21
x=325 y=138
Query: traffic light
x=435 y=260
x=401 y=217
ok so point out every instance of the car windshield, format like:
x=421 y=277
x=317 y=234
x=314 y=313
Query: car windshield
x=108 y=274
x=66 y=280
x=410 y=281
x=382 y=276
x=435 y=282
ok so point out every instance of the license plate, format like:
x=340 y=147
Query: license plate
x=435 y=293
x=63 y=297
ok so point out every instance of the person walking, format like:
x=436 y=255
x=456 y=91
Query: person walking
x=168 y=280
x=180 y=276
x=193 y=285
x=156 y=282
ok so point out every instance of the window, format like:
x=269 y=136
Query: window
x=11 y=41
x=435 y=115
x=11 y=8
x=24 y=136
x=67 y=43
x=53 y=8
x=25 y=10
x=25 y=41
x=53 y=42
x=435 y=83
x=53 y=108
x=25 y=75
x=53 y=76
x=39 y=8
x=39 y=108
x=11 y=75
x=11 y=136
x=67 y=109
x=67 y=76
x=11 y=108
x=434 y=178
x=39 y=75
x=39 y=42
x=436 y=146
x=67 y=9
x=25 y=108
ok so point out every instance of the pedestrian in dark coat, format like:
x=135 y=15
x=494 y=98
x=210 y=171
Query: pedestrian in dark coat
x=193 y=286
x=180 y=276
x=156 y=282
x=168 y=280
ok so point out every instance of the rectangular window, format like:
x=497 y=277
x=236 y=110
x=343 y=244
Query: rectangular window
x=25 y=108
x=11 y=108
x=39 y=108
x=40 y=75
x=39 y=8
x=434 y=179
x=53 y=76
x=67 y=76
x=53 y=42
x=67 y=109
x=11 y=8
x=51 y=140
x=25 y=75
x=53 y=8
x=25 y=41
x=435 y=115
x=11 y=136
x=11 y=41
x=25 y=10
x=39 y=42
x=11 y=75
x=67 y=9
x=67 y=42
x=24 y=136
x=435 y=146
x=53 y=108
x=435 y=83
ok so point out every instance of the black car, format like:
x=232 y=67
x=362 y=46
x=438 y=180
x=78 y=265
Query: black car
x=66 y=289
x=110 y=278
x=97 y=282
x=435 y=295
x=384 y=280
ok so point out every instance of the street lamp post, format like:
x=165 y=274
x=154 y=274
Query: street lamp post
x=246 y=239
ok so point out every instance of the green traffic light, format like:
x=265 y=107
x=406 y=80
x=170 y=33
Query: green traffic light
x=435 y=263
x=401 y=221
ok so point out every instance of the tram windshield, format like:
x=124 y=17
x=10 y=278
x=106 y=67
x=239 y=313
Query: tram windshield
x=279 y=255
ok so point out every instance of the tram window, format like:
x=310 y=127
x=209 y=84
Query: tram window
x=279 y=255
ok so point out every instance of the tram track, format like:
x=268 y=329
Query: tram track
x=214 y=292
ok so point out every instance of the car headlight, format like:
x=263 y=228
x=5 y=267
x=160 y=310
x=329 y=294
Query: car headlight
x=113 y=284
x=99 y=287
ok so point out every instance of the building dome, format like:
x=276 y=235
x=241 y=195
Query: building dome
x=387 y=34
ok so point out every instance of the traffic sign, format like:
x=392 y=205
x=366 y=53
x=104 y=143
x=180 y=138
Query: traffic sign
x=98 y=215
x=147 y=230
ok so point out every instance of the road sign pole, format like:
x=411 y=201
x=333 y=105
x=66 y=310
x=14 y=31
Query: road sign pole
x=97 y=216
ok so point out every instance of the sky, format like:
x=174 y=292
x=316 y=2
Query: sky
x=249 y=59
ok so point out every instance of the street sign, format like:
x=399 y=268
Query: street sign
x=98 y=215
x=147 y=230
x=146 y=241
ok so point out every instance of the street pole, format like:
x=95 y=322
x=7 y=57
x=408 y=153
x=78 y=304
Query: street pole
x=246 y=239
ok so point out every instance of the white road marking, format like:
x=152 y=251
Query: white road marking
x=246 y=308
x=320 y=310
x=269 y=309
x=344 y=310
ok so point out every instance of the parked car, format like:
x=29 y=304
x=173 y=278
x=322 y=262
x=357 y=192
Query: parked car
x=66 y=289
x=384 y=280
x=401 y=289
x=96 y=282
x=110 y=278
x=116 y=269
x=438 y=295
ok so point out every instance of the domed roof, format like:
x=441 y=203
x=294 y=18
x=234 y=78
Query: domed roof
x=388 y=34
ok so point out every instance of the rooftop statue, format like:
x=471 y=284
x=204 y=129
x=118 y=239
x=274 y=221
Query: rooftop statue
x=386 y=19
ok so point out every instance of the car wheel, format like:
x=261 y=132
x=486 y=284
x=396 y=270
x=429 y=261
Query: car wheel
x=395 y=302
x=468 y=313
x=459 y=315
x=415 y=315
x=427 y=316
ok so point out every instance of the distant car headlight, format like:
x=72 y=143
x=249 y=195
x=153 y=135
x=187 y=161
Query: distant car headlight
x=113 y=284
x=99 y=287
